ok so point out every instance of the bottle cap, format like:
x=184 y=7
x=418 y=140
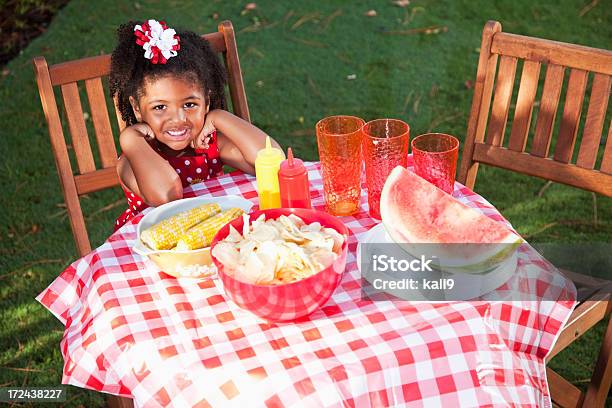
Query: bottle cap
x=292 y=166
x=270 y=154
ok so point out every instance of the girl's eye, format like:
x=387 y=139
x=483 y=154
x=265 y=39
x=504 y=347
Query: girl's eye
x=159 y=107
x=191 y=105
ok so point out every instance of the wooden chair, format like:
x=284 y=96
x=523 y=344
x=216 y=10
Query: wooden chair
x=499 y=54
x=91 y=177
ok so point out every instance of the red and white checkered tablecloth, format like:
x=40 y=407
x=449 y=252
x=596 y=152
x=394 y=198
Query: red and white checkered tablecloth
x=134 y=331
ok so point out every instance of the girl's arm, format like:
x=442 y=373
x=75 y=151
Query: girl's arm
x=239 y=141
x=144 y=171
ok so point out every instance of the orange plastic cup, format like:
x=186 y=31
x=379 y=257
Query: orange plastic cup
x=435 y=159
x=339 y=143
x=385 y=146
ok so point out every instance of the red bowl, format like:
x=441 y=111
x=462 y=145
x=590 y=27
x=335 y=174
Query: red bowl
x=292 y=300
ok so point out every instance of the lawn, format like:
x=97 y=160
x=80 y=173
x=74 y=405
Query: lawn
x=301 y=61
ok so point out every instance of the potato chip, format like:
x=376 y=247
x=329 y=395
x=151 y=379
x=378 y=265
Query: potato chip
x=278 y=251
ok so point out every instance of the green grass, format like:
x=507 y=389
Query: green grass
x=296 y=57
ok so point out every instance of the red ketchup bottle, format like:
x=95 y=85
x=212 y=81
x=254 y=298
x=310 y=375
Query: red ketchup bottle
x=293 y=183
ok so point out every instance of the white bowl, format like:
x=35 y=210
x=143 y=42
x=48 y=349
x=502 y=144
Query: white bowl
x=467 y=286
x=191 y=263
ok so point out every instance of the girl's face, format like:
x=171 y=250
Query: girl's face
x=174 y=108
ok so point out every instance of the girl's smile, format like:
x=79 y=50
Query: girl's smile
x=179 y=134
x=174 y=108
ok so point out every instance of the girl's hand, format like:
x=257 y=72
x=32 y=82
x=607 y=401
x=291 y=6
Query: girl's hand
x=144 y=171
x=144 y=130
x=202 y=140
x=133 y=136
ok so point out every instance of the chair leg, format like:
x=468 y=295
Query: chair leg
x=115 y=401
x=598 y=389
x=563 y=393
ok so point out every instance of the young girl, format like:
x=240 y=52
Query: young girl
x=170 y=91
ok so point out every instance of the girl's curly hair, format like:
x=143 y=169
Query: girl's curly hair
x=195 y=61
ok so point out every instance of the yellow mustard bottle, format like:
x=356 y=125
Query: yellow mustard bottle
x=267 y=164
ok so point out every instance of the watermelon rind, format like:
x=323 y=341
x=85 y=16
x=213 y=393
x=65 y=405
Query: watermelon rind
x=489 y=257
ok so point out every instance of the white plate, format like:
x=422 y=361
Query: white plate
x=174 y=207
x=468 y=286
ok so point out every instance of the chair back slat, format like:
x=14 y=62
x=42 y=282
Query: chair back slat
x=524 y=106
x=606 y=162
x=544 y=167
x=78 y=130
x=96 y=181
x=101 y=122
x=501 y=101
x=553 y=52
x=120 y=122
x=548 y=110
x=593 y=125
x=571 y=115
x=232 y=65
x=217 y=40
x=483 y=87
x=487 y=92
x=79 y=70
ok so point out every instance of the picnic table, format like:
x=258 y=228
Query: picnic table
x=134 y=331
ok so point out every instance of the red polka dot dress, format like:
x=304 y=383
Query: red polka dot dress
x=205 y=164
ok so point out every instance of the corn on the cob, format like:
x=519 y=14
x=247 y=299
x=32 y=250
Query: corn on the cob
x=165 y=234
x=201 y=235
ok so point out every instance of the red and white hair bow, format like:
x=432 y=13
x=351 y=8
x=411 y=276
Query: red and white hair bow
x=158 y=41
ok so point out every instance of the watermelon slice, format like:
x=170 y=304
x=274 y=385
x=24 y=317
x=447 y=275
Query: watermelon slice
x=415 y=211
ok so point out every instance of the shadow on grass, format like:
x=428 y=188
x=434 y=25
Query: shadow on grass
x=33 y=359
